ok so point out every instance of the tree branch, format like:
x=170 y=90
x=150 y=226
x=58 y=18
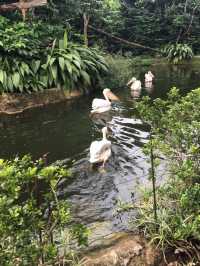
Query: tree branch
x=133 y=44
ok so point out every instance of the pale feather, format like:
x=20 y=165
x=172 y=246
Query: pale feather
x=100 y=151
x=137 y=85
x=100 y=105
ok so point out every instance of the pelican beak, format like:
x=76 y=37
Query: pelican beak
x=112 y=96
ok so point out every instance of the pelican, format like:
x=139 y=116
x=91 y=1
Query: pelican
x=101 y=105
x=134 y=84
x=149 y=77
x=100 y=151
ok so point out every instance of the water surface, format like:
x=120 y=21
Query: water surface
x=65 y=131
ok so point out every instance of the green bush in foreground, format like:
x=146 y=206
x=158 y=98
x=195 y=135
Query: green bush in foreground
x=175 y=127
x=32 y=218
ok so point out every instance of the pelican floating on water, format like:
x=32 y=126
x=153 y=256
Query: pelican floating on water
x=101 y=105
x=135 y=84
x=100 y=151
x=149 y=76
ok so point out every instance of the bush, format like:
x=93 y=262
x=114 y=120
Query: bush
x=175 y=125
x=178 y=52
x=122 y=68
x=31 y=215
x=27 y=65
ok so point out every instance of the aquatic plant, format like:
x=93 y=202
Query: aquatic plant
x=177 y=52
x=33 y=220
x=175 y=126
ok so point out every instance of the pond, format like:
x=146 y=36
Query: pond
x=65 y=131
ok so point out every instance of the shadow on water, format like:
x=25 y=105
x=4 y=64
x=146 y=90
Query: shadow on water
x=66 y=130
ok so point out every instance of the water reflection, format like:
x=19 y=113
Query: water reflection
x=149 y=87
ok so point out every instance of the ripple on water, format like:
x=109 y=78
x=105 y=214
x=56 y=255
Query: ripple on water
x=98 y=191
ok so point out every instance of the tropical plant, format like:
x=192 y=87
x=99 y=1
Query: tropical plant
x=66 y=65
x=178 y=52
x=33 y=220
x=70 y=65
x=175 y=127
x=19 y=39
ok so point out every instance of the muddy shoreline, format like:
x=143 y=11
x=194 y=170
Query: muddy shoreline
x=130 y=249
x=16 y=103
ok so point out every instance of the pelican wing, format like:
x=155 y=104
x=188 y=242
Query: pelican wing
x=100 y=106
x=98 y=103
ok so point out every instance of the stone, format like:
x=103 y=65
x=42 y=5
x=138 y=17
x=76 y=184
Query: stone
x=129 y=250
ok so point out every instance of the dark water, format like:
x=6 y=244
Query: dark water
x=65 y=132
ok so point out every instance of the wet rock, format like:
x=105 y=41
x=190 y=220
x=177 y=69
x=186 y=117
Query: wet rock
x=128 y=250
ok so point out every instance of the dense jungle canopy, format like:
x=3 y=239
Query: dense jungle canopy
x=152 y=23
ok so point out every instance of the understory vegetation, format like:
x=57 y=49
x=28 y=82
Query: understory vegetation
x=178 y=52
x=32 y=59
x=29 y=62
x=35 y=225
x=174 y=221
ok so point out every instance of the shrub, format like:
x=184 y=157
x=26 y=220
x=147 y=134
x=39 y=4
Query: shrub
x=175 y=124
x=32 y=218
x=178 y=52
x=66 y=65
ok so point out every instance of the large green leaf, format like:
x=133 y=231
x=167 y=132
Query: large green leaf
x=16 y=79
x=61 y=63
x=10 y=84
x=69 y=66
x=86 y=77
x=54 y=72
x=36 y=65
x=1 y=76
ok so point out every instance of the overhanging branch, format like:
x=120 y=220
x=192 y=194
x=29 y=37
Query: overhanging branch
x=133 y=44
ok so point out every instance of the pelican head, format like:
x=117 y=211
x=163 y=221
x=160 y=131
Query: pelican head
x=133 y=80
x=106 y=90
x=109 y=95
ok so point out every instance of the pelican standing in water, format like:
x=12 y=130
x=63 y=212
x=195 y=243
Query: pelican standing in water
x=101 y=105
x=100 y=151
x=149 y=76
x=135 y=84
x=149 y=81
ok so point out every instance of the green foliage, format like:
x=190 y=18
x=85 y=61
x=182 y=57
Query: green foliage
x=26 y=66
x=31 y=215
x=120 y=71
x=20 y=39
x=121 y=68
x=71 y=65
x=178 y=52
x=175 y=124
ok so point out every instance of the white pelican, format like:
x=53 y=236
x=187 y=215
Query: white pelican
x=100 y=151
x=134 y=84
x=149 y=77
x=101 y=105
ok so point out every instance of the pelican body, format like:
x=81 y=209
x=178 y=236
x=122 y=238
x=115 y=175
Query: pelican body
x=149 y=77
x=100 y=151
x=135 y=84
x=103 y=105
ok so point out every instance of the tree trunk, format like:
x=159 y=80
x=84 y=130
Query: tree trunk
x=86 y=20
